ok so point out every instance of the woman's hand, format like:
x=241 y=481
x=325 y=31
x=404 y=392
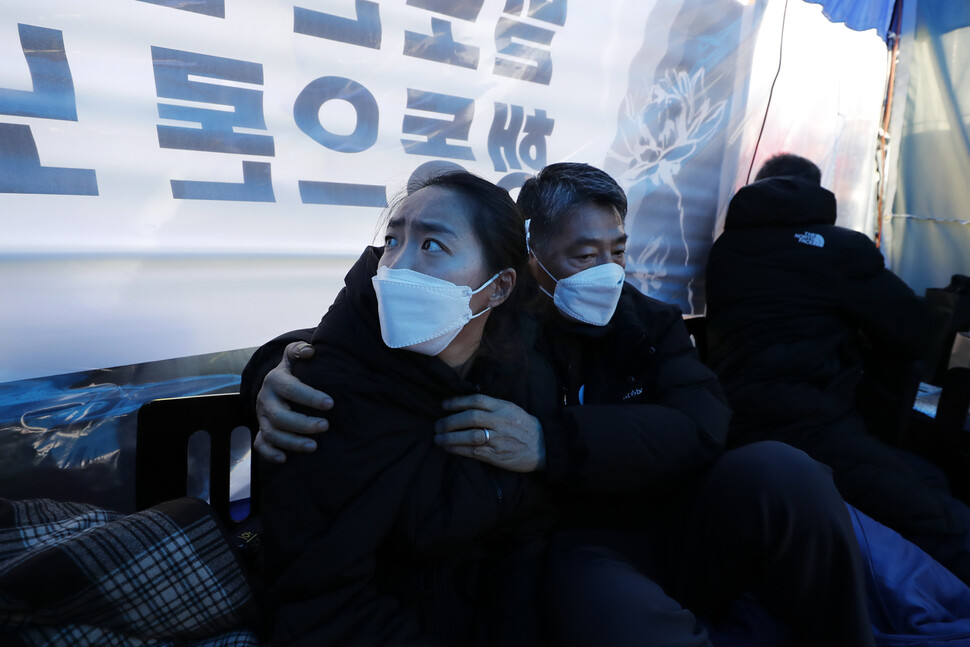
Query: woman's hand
x=493 y=431
x=281 y=428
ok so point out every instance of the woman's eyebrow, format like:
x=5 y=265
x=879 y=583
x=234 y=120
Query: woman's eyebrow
x=423 y=225
x=433 y=227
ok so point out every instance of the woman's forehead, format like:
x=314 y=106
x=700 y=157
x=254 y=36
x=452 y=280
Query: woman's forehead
x=434 y=205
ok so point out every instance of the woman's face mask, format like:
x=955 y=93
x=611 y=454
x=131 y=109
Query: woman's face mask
x=431 y=257
x=422 y=313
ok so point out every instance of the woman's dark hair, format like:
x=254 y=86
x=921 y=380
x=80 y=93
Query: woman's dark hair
x=550 y=197
x=500 y=228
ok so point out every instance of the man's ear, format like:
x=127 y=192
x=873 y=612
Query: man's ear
x=502 y=287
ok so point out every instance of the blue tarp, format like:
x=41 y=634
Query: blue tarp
x=860 y=15
x=863 y=15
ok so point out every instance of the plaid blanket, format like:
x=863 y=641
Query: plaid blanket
x=73 y=574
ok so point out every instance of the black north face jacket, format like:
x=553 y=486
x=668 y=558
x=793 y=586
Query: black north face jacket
x=380 y=537
x=791 y=299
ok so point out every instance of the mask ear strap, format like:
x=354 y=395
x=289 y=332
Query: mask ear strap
x=489 y=282
x=528 y=248
x=485 y=285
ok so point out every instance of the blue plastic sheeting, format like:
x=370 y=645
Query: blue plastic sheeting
x=943 y=16
x=72 y=437
x=860 y=15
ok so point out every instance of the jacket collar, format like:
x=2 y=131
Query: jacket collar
x=630 y=326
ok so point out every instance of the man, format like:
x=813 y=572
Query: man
x=792 y=301
x=651 y=510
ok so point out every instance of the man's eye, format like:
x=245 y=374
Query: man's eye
x=619 y=252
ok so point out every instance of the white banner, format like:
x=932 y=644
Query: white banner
x=185 y=177
x=179 y=177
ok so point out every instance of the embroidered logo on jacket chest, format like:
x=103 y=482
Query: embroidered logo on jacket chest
x=633 y=389
x=638 y=391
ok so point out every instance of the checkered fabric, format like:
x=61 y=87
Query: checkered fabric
x=72 y=574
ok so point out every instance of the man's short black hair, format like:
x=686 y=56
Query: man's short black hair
x=789 y=165
x=558 y=189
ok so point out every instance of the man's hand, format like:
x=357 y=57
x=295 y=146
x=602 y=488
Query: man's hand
x=493 y=431
x=281 y=428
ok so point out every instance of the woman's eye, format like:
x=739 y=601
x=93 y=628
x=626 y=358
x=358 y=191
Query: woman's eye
x=431 y=245
x=390 y=241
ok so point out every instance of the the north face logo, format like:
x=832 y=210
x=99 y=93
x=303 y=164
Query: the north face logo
x=808 y=238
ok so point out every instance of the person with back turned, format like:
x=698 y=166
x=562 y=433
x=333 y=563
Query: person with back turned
x=793 y=300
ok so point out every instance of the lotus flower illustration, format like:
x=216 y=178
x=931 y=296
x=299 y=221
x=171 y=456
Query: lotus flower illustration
x=661 y=127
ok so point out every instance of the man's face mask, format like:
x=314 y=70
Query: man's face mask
x=419 y=312
x=589 y=296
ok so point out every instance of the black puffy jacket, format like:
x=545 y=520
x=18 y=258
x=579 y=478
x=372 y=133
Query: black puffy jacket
x=790 y=297
x=380 y=537
x=643 y=416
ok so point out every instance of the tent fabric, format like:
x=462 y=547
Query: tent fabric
x=860 y=15
x=930 y=218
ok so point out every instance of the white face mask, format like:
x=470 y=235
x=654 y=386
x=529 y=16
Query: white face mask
x=419 y=312
x=589 y=296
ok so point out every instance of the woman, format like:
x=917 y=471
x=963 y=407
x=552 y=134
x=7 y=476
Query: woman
x=381 y=537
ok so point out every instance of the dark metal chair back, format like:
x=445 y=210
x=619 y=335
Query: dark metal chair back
x=162 y=449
